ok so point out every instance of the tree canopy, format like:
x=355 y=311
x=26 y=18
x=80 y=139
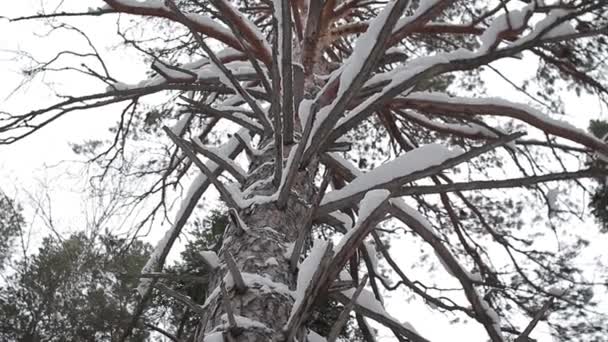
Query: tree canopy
x=375 y=121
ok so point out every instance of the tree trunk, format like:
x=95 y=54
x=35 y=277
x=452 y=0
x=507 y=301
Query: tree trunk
x=262 y=255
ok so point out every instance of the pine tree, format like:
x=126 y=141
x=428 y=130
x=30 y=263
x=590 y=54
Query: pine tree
x=323 y=92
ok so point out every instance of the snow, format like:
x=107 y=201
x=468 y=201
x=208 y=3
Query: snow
x=214 y=337
x=144 y=4
x=542 y=25
x=247 y=140
x=255 y=185
x=399 y=203
x=205 y=73
x=265 y=284
x=288 y=250
x=211 y=259
x=372 y=200
x=409 y=327
x=253 y=28
x=344 y=275
x=489 y=311
x=306 y=271
x=304 y=110
x=206 y=21
x=416 y=160
x=557 y=291
x=367 y=300
x=223 y=78
x=172 y=73
x=354 y=64
x=180 y=125
x=245 y=322
x=118 y=86
x=475 y=276
x=271 y=261
x=154 y=260
x=222 y=154
x=363 y=48
x=314 y=337
x=492 y=101
x=517 y=19
x=346 y=221
x=423 y=7
x=468 y=129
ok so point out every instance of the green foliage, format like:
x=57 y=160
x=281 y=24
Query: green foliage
x=598 y=128
x=78 y=289
x=599 y=198
x=599 y=206
x=11 y=222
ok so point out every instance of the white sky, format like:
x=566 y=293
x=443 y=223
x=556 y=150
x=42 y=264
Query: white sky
x=31 y=164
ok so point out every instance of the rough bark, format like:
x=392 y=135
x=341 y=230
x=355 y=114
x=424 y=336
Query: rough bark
x=262 y=255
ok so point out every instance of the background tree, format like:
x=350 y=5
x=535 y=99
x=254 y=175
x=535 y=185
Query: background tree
x=11 y=221
x=303 y=81
x=78 y=289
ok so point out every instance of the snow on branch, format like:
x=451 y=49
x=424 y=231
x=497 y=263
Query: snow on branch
x=210 y=259
x=304 y=233
x=173 y=73
x=237 y=221
x=312 y=276
x=422 y=228
x=469 y=130
x=157 y=8
x=225 y=193
x=206 y=74
x=498 y=183
x=425 y=11
x=235 y=273
x=234 y=83
x=246 y=27
x=446 y=105
x=371 y=210
x=393 y=172
x=397 y=81
x=344 y=315
x=215 y=155
x=422 y=162
x=351 y=77
x=236 y=117
x=200 y=184
x=368 y=306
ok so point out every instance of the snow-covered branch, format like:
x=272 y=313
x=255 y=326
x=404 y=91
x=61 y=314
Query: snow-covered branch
x=446 y=105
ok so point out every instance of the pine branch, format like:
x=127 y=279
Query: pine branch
x=227 y=164
x=221 y=188
x=344 y=315
x=233 y=81
x=239 y=283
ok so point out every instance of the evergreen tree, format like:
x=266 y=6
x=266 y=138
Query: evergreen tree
x=361 y=122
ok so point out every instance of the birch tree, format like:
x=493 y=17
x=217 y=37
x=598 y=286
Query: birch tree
x=358 y=120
